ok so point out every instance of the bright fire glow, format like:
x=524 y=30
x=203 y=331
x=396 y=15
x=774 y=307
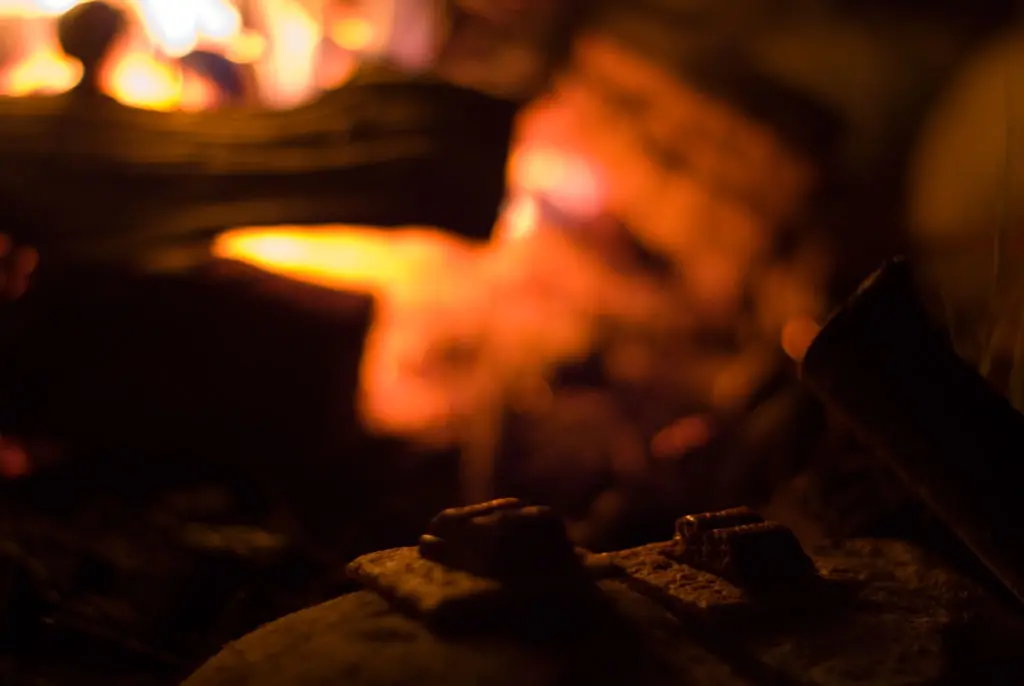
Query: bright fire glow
x=139 y=80
x=177 y=27
x=45 y=70
x=23 y=9
x=353 y=33
x=566 y=180
x=288 y=69
x=520 y=218
x=349 y=258
x=284 y=48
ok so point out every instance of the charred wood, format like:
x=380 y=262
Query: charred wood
x=85 y=177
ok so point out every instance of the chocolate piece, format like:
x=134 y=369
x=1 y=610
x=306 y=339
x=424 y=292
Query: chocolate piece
x=763 y=553
x=498 y=561
x=692 y=525
x=502 y=539
x=740 y=546
x=452 y=522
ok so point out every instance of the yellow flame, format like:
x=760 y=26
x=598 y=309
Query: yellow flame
x=27 y=9
x=40 y=66
x=566 y=180
x=140 y=80
x=288 y=67
x=44 y=71
x=285 y=54
x=353 y=33
x=520 y=218
x=351 y=258
x=245 y=48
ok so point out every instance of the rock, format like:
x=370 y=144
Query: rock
x=885 y=614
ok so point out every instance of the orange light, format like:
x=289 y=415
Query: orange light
x=353 y=258
x=565 y=179
x=27 y=9
x=197 y=93
x=287 y=69
x=140 y=80
x=176 y=27
x=44 y=71
x=245 y=48
x=520 y=218
x=797 y=335
x=353 y=34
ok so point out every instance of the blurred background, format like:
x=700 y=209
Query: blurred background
x=284 y=277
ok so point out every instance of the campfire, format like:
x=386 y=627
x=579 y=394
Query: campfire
x=282 y=279
x=203 y=54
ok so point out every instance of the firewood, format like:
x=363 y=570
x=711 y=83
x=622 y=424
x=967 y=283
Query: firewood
x=86 y=178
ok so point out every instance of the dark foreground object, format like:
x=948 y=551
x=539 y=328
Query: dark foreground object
x=865 y=612
x=891 y=372
x=221 y=363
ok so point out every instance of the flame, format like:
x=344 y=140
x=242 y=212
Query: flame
x=45 y=70
x=28 y=9
x=520 y=218
x=178 y=27
x=140 y=80
x=353 y=33
x=288 y=67
x=285 y=49
x=295 y=48
x=567 y=180
x=345 y=258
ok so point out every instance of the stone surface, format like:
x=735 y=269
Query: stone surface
x=885 y=614
x=358 y=639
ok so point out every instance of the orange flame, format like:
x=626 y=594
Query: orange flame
x=144 y=72
x=357 y=259
x=44 y=69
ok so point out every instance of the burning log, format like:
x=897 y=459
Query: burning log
x=86 y=177
x=892 y=373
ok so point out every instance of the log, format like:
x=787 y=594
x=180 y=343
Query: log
x=892 y=374
x=87 y=178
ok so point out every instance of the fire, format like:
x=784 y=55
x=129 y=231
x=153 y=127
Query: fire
x=44 y=70
x=178 y=27
x=355 y=258
x=139 y=80
x=288 y=67
x=284 y=47
x=566 y=180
